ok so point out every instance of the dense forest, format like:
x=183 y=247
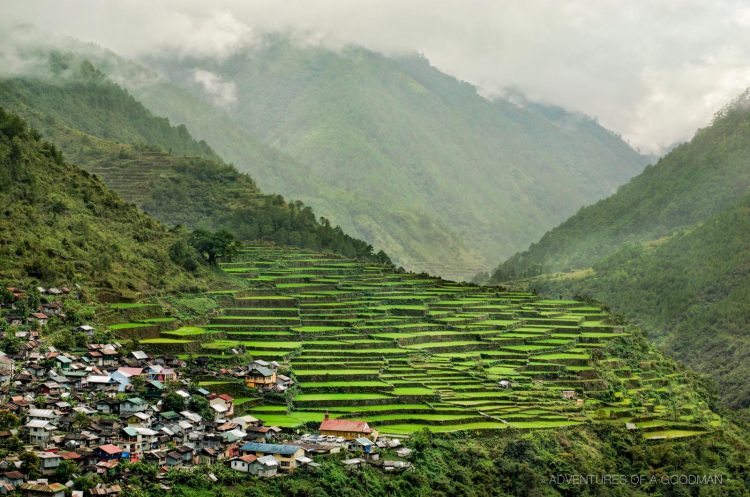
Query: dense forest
x=60 y=225
x=170 y=175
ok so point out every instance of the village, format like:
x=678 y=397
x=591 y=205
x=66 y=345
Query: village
x=67 y=414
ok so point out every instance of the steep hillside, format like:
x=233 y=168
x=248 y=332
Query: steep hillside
x=414 y=147
x=691 y=184
x=62 y=226
x=670 y=250
x=129 y=153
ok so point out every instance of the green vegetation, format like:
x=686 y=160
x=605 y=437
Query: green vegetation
x=398 y=153
x=669 y=251
x=446 y=376
x=94 y=122
x=62 y=226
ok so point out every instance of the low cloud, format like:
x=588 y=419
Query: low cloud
x=652 y=71
x=222 y=93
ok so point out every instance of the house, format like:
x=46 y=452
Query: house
x=283 y=382
x=108 y=406
x=260 y=377
x=223 y=405
x=106 y=490
x=7 y=367
x=39 y=318
x=107 y=452
x=132 y=406
x=43 y=489
x=85 y=329
x=504 y=384
x=157 y=457
x=139 y=355
x=123 y=376
x=363 y=444
x=63 y=362
x=285 y=454
x=14 y=320
x=180 y=455
x=349 y=429
x=39 y=431
x=14 y=478
x=51 y=308
x=100 y=383
x=154 y=389
x=161 y=373
x=568 y=394
x=264 y=466
x=243 y=463
x=49 y=462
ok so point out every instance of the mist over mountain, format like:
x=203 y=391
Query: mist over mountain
x=418 y=152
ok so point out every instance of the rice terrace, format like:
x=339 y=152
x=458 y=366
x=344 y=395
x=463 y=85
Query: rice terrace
x=405 y=351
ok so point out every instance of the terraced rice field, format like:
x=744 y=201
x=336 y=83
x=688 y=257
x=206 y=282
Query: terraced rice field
x=407 y=351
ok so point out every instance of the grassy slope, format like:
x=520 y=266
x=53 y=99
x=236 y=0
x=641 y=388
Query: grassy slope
x=60 y=225
x=418 y=143
x=104 y=129
x=670 y=251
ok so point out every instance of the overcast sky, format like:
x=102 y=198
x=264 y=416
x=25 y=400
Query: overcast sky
x=653 y=71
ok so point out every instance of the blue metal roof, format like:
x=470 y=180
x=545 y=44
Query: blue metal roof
x=285 y=450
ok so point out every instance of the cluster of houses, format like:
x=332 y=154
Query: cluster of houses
x=104 y=405
x=261 y=375
x=41 y=315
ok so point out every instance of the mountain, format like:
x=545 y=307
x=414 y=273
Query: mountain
x=433 y=171
x=111 y=134
x=669 y=250
x=62 y=226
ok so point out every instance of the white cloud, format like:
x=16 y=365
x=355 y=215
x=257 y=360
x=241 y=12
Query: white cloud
x=223 y=93
x=652 y=71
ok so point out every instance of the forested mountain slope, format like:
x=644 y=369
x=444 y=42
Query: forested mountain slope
x=111 y=134
x=670 y=250
x=62 y=226
x=420 y=152
x=691 y=184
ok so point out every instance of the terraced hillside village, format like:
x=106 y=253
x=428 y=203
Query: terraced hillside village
x=406 y=351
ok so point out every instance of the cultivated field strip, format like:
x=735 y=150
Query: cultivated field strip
x=407 y=351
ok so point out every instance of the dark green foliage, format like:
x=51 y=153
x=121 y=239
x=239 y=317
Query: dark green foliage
x=61 y=226
x=212 y=246
x=670 y=251
x=196 y=192
x=173 y=402
x=506 y=464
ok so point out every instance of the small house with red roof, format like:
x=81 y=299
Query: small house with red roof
x=108 y=452
x=349 y=429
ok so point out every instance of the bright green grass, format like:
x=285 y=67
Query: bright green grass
x=164 y=340
x=339 y=396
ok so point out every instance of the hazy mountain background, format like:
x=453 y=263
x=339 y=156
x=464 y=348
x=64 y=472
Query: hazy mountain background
x=438 y=176
x=669 y=250
x=160 y=168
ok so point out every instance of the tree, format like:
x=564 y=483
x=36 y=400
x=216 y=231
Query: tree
x=201 y=406
x=30 y=464
x=183 y=255
x=66 y=470
x=174 y=402
x=211 y=246
x=139 y=384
